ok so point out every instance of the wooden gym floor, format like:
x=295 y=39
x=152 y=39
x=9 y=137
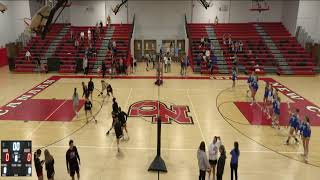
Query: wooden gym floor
x=46 y=118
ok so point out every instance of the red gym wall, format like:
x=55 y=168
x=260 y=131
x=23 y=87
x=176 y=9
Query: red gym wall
x=3 y=57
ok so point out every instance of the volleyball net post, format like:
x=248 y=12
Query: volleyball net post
x=158 y=163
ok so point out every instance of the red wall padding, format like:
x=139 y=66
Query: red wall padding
x=3 y=57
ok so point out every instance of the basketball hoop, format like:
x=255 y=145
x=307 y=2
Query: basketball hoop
x=260 y=7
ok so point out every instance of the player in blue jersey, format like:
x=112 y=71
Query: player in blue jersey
x=269 y=101
x=234 y=76
x=254 y=89
x=276 y=113
x=265 y=97
x=249 y=81
x=293 y=124
x=305 y=131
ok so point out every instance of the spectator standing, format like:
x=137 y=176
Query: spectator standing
x=165 y=59
x=213 y=155
x=221 y=162
x=73 y=160
x=38 y=164
x=49 y=164
x=235 y=153
x=203 y=162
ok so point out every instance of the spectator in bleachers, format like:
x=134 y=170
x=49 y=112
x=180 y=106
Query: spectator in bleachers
x=121 y=66
x=71 y=35
x=109 y=20
x=213 y=63
x=240 y=46
x=85 y=65
x=198 y=59
x=202 y=42
x=224 y=39
x=103 y=69
x=82 y=37
x=229 y=40
x=114 y=48
x=236 y=46
x=98 y=30
x=89 y=35
x=101 y=26
x=28 y=56
x=208 y=53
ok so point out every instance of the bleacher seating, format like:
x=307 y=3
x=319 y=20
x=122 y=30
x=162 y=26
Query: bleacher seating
x=37 y=48
x=67 y=53
x=298 y=60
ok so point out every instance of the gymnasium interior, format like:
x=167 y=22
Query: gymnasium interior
x=179 y=70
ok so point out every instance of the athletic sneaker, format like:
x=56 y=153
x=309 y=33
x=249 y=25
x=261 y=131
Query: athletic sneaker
x=286 y=143
x=108 y=133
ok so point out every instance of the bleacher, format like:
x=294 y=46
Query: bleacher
x=299 y=62
x=65 y=51
x=37 y=47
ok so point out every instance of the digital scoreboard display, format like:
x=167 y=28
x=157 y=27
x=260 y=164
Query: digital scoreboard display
x=16 y=158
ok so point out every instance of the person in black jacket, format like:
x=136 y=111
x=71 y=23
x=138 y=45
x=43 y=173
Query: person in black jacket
x=38 y=164
x=90 y=87
x=104 y=69
x=49 y=162
x=122 y=116
x=72 y=158
x=221 y=162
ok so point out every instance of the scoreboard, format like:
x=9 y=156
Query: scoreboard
x=16 y=158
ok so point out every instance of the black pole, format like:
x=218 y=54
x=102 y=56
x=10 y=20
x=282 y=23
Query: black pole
x=158 y=163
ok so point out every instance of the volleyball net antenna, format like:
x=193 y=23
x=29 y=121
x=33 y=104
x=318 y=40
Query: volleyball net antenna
x=158 y=164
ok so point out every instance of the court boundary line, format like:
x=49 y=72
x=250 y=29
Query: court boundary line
x=55 y=110
x=166 y=149
x=196 y=116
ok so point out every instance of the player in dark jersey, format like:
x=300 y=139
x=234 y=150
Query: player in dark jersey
x=115 y=107
x=109 y=90
x=234 y=76
x=122 y=117
x=85 y=93
x=305 y=131
x=38 y=164
x=114 y=117
x=293 y=124
x=118 y=131
x=90 y=87
x=73 y=160
x=88 y=109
